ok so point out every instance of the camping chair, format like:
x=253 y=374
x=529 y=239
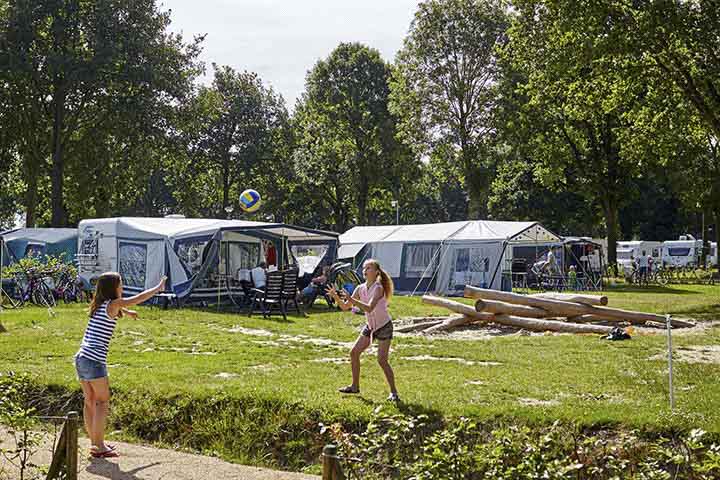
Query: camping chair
x=271 y=297
x=290 y=289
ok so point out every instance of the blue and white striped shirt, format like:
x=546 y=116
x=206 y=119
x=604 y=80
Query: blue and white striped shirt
x=97 y=337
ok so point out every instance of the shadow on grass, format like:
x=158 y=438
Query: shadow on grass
x=650 y=289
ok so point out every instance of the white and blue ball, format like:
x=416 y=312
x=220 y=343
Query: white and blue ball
x=250 y=200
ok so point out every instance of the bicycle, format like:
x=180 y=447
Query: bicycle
x=34 y=288
x=68 y=288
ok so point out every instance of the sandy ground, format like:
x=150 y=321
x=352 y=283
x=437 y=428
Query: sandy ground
x=138 y=462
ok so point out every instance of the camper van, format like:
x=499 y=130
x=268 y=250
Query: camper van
x=684 y=252
x=628 y=250
x=713 y=257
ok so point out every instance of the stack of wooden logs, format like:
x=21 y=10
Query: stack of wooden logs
x=555 y=312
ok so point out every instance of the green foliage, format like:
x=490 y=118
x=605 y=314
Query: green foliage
x=442 y=88
x=21 y=424
x=346 y=135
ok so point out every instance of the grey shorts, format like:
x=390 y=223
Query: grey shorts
x=383 y=333
x=89 y=369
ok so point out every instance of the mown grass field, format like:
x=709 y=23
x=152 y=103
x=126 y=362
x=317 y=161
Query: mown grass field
x=169 y=359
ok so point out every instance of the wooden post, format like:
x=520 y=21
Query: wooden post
x=538 y=325
x=329 y=459
x=71 y=454
x=458 y=307
x=576 y=298
x=58 y=458
x=493 y=306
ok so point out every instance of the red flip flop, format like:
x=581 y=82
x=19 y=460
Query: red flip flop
x=105 y=454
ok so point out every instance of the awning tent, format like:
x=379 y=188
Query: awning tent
x=443 y=257
x=201 y=257
x=38 y=242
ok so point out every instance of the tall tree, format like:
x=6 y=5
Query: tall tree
x=232 y=133
x=80 y=67
x=443 y=86
x=346 y=104
x=586 y=117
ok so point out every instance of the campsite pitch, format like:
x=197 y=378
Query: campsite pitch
x=255 y=390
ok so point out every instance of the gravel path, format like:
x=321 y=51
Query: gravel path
x=138 y=462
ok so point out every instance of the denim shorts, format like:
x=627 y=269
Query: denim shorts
x=383 y=333
x=89 y=369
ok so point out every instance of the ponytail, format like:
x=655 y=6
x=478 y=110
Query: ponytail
x=384 y=278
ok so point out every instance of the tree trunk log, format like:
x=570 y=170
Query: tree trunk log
x=492 y=306
x=537 y=325
x=458 y=308
x=420 y=326
x=576 y=298
x=569 y=309
x=451 y=322
x=595 y=318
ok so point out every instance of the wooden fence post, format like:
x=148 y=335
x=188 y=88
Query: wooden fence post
x=331 y=465
x=71 y=455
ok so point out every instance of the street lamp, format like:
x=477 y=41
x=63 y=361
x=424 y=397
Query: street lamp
x=396 y=204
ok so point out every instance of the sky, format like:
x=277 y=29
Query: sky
x=281 y=40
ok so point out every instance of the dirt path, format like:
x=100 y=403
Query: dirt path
x=138 y=462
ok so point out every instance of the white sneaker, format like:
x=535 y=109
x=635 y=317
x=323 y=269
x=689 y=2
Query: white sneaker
x=393 y=397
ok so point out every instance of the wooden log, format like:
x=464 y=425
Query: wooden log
x=569 y=309
x=538 y=325
x=575 y=298
x=71 y=457
x=493 y=306
x=458 y=307
x=589 y=318
x=452 y=322
x=439 y=318
x=419 y=326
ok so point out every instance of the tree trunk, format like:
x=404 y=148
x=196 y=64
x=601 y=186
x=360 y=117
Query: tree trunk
x=492 y=306
x=451 y=322
x=568 y=309
x=611 y=224
x=31 y=197
x=576 y=298
x=59 y=216
x=226 y=187
x=537 y=325
x=457 y=307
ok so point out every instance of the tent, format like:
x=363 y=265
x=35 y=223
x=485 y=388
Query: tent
x=443 y=257
x=201 y=257
x=23 y=242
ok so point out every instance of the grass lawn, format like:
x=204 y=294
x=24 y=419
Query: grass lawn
x=201 y=354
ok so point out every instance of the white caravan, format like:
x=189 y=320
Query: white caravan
x=713 y=257
x=683 y=252
x=628 y=250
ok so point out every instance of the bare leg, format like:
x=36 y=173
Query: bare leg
x=88 y=407
x=361 y=344
x=383 y=354
x=101 y=391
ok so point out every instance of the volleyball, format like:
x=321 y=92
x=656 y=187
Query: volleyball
x=250 y=200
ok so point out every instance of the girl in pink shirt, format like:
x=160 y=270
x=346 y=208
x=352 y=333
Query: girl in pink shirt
x=372 y=298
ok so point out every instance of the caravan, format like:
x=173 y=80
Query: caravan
x=713 y=257
x=629 y=250
x=203 y=258
x=444 y=257
x=684 y=252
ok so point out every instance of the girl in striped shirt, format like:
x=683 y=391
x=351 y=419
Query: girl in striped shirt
x=91 y=360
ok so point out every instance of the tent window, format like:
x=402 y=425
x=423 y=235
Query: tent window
x=309 y=256
x=133 y=264
x=418 y=259
x=679 y=252
x=191 y=254
x=241 y=255
x=34 y=250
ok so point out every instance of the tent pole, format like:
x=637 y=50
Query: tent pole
x=219 y=277
x=502 y=254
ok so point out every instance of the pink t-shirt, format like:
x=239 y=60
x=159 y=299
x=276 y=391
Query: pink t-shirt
x=379 y=316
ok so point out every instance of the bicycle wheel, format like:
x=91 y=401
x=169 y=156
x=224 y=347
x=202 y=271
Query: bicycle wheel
x=42 y=296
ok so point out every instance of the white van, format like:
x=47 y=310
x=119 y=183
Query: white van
x=683 y=252
x=713 y=257
x=635 y=248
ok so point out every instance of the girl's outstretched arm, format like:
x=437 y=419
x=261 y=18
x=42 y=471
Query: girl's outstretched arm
x=120 y=303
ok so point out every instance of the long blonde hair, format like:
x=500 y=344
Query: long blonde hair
x=106 y=289
x=385 y=279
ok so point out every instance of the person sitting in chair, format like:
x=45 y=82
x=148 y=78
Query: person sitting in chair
x=315 y=287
